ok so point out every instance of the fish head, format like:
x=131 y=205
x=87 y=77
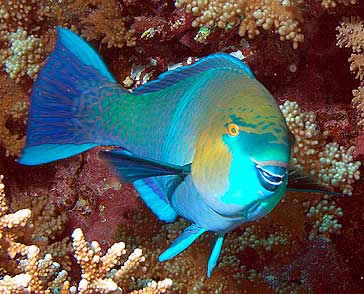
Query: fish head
x=240 y=167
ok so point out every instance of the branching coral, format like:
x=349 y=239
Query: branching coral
x=24 y=226
x=38 y=275
x=96 y=275
x=323 y=216
x=351 y=35
x=282 y=17
x=41 y=276
x=274 y=15
x=334 y=3
x=21 y=53
x=358 y=103
x=10 y=224
x=106 y=23
x=24 y=55
x=328 y=162
x=44 y=229
x=14 y=108
x=186 y=269
x=17 y=13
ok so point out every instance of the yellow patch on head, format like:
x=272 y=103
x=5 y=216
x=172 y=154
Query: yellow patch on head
x=211 y=162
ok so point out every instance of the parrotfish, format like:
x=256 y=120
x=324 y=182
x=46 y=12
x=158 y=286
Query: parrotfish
x=206 y=141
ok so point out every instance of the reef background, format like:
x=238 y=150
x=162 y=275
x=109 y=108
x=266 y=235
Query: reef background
x=310 y=243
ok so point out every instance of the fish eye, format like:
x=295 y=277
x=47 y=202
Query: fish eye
x=271 y=177
x=233 y=130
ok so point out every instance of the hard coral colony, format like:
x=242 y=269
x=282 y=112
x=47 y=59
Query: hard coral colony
x=283 y=252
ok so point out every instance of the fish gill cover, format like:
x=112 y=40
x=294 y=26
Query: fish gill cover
x=310 y=243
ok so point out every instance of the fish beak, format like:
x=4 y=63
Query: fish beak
x=270 y=163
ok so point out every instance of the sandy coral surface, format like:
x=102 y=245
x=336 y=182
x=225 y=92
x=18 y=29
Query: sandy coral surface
x=57 y=217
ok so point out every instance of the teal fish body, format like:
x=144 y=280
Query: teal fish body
x=206 y=142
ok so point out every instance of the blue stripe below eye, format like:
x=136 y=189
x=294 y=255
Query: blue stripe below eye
x=271 y=177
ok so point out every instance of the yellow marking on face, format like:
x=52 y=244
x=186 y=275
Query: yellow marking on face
x=211 y=163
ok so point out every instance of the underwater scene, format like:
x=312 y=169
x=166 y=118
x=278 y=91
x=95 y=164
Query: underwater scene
x=182 y=146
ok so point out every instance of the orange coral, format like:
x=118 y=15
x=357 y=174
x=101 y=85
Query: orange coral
x=10 y=224
x=105 y=23
x=14 y=107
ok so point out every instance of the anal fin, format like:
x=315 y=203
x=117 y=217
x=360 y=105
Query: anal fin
x=215 y=253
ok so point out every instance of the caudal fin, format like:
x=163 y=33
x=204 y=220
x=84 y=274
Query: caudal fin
x=64 y=86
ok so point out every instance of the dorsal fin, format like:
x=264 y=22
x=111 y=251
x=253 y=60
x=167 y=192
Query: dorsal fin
x=216 y=61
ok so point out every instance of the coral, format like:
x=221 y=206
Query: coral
x=328 y=162
x=14 y=108
x=39 y=225
x=186 y=269
x=24 y=55
x=10 y=224
x=107 y=24
x=15 y=14
x=357 y=65
x=44 y=229
x=43 y=275
x=21 y=52
x=334 y=3
x=280 y=17
x=304 y=274
x=34 y=274
x=323 y=216
x=95 y=267
x=351 y=35
x=358 y=103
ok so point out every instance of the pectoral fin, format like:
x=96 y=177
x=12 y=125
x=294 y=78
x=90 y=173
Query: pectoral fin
x=132 y=168
x=189 y=235
x=297 y=181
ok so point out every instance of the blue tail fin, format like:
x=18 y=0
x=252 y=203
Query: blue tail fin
x=64 y=85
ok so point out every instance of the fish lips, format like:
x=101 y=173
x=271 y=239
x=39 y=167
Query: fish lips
x=271 y=177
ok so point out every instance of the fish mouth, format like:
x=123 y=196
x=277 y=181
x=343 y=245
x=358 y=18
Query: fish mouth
x=270 y=163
